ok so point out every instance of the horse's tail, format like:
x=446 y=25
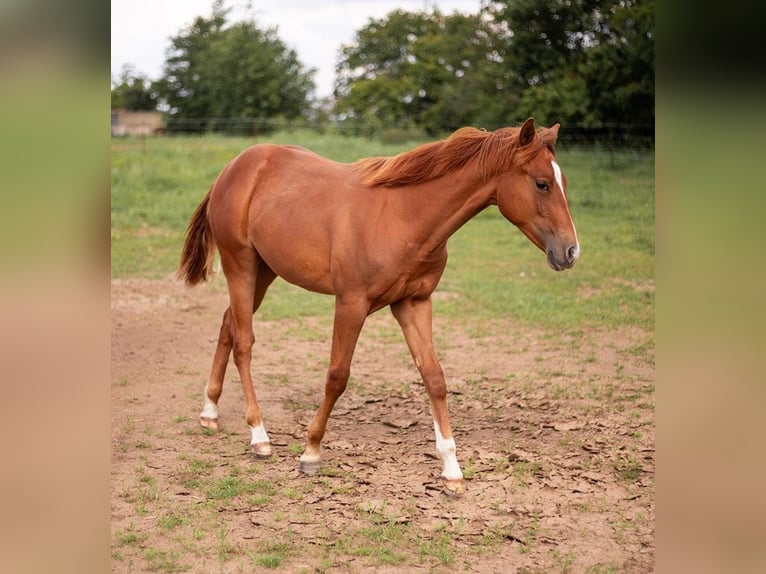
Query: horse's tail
x=197 y=254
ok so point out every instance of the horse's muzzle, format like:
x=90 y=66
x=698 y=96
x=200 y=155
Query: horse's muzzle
x=568 y=259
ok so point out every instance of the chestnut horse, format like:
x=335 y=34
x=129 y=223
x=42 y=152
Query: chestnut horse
x=372 y=233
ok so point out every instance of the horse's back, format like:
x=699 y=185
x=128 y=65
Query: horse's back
x=265 y=177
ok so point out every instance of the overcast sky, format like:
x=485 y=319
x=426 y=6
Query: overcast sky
x=315 y=29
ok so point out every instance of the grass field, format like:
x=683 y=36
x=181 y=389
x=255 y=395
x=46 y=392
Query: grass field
x=157 y=183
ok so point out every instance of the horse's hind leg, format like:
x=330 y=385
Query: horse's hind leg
x=414 y=317
x=209 y=416
x=247 y=287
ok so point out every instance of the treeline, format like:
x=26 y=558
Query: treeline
x=587 y=64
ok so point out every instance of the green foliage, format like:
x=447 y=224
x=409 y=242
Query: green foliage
x=225 y=71
x=416 y=69
x=134 y=91
x=583 y=62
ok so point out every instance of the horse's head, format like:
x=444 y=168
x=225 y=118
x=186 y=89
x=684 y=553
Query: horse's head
x=532 y=196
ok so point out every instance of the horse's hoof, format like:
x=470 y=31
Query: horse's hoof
x=310 y=464
x=261 y=449
x=453 y=486
x=209 y=423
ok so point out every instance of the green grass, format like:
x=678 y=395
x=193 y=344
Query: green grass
x=229 y=487
x=494 y=270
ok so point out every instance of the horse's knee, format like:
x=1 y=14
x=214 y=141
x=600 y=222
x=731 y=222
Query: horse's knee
x=337 y=379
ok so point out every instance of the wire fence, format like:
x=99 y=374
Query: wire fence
x=605 y=136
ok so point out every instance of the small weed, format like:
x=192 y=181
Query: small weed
x=628 y=467
x=149 y=493
x=385 y=540
x=180 y=419
x=270 y=555
x=128 y=538
x=228 y=487
x=157 y=559
x=295 y=448
x=197 y=465
x=225 y=548
x=609 y=568
x=292 y=493
x=564 y=561
x=470 y=471
x=264 y=486
x=620 y=527
x=170 y=521
x=130 y=424
x=259 y=500
x=438 y=548
x=560 y=391
x=269 y=560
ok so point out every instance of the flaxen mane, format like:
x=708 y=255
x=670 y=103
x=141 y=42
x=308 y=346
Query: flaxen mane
x=493 y=152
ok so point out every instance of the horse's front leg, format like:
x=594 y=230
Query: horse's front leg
x=349 y=319
x=414 y=317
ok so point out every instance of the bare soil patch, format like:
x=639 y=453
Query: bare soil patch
x=555 y=433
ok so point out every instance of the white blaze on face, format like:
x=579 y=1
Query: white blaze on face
x=557 y=175
x=560 y=183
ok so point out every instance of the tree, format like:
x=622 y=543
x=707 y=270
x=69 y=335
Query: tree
x=233 y=72
x=378 y=83
x=586 y=62
x=419 y=69
x=620 y=68
x=133 y=91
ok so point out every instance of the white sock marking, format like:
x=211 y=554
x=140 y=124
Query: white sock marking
x=258 y=434
x=210 y=410
x=446 y=448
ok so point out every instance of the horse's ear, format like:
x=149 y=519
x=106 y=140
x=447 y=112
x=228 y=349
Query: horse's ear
x=554 y=133
x=527 y=133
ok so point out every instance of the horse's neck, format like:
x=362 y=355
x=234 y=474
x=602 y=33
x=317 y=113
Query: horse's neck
x=449 y=204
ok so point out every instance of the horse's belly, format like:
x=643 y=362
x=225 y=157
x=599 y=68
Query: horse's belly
x=309 y=277
x=298 y=262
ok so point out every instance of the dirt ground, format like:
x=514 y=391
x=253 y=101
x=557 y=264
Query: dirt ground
x=555 y=435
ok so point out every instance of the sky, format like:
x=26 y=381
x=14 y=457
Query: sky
x=315 y=29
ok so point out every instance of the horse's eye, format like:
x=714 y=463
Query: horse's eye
x=542 y=186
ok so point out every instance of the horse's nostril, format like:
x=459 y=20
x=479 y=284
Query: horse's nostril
x=573 y=252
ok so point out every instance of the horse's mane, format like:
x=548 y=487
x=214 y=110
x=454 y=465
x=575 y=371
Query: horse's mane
x=493 y=152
